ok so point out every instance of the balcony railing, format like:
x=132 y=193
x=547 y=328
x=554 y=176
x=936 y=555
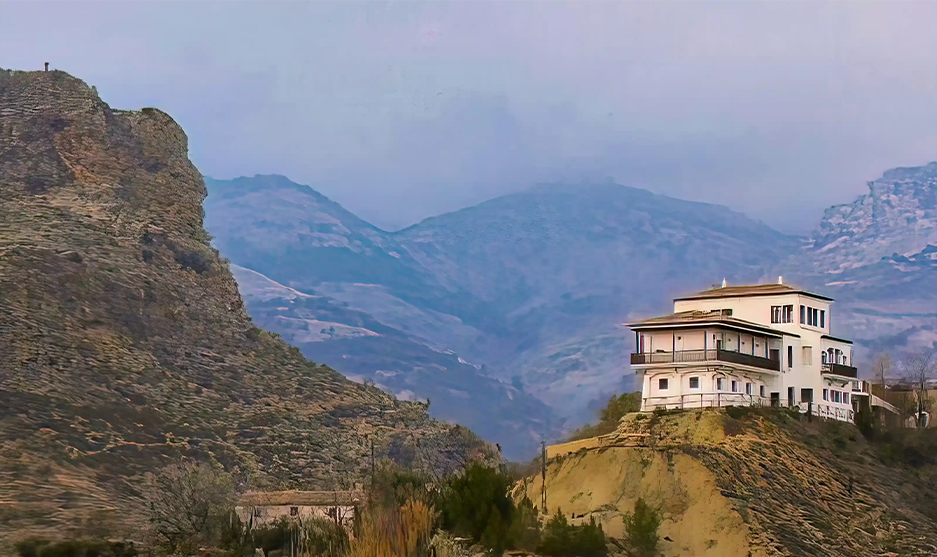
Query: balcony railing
x=711 y=355
x=840 y=369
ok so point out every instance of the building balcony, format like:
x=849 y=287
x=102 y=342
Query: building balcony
x=841 y=370
x=700 y=356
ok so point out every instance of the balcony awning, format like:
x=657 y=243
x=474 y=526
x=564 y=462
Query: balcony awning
x=696 y=319
x=835 y=339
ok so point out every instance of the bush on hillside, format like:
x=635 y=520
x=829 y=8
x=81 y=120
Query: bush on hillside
x=190 y=506
x=524 y=531
x=641 y=538
x=476 y=505
x=562 y=539
x=394 y=485
x=614 y=411
x=75 y=548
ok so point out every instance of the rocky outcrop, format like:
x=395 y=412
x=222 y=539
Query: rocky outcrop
x=876 y=257
x=124 y=343
x=898 y=215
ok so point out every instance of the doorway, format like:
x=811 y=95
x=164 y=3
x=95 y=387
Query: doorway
x=790 y=396
x=775 y=399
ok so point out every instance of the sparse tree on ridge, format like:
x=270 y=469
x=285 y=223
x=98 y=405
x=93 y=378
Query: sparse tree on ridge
x=919 y=369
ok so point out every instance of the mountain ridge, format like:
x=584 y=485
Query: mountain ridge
x=515 y=284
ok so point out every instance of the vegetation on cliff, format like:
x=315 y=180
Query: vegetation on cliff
x=124 y=344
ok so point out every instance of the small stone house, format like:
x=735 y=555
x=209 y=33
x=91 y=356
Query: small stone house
x=258 y=509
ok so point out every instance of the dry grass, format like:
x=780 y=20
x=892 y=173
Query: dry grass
x=395 y=532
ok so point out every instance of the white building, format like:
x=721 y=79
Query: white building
x=260 y=509
x=766 y=344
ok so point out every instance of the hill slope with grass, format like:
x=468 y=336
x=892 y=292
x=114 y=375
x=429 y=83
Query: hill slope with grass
x=757 y=482
x=124 y=344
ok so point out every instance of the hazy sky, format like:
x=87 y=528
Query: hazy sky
x=400 y=110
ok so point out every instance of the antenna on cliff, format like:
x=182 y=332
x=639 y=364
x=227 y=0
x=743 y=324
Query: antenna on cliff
x=543 y=476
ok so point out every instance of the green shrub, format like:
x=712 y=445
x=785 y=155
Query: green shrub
x=524 y=532
x=614 y=411
x=476 y=505
x=641 y=537
x=325 y=538
x=561 y=539
x=737 y=412
x=75 y=548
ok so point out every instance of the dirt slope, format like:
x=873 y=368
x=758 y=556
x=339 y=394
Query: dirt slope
x=765 y=484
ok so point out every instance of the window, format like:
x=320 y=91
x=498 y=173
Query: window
x=782 y=314
x=815 y=317
x=294 y=511
x=790 y=356
x=735 y=386
x=720 y=384
x=826 y=394
x=806 y=395
x=807 y=356
x=748 y=388
x=694 y=382
x=837 y=396
x=662 y=384
x=803 y=314
x=845 y=398
x=761 y=390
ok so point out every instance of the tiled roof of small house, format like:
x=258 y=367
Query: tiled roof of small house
x=751 y=290
x=299 y=498
x=688 y=318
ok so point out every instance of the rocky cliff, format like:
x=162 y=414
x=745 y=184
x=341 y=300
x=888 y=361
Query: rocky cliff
x=124 y=343
x=762 y=483
x=878 y=257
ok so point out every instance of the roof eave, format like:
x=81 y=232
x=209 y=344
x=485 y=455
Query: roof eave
x=737 y=326
x=751 y=295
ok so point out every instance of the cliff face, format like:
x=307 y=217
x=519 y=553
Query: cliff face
x=897 y=216
x=761 y=484
x=123 y=340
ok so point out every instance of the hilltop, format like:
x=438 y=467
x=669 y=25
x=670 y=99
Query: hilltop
x=124 y=344
x=756 y=482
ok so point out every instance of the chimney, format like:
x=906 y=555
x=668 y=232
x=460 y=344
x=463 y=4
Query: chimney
x=723 y=283
x=780 y=279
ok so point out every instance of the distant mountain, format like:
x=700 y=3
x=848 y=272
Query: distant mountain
x=531 y=288
x=364 y=348
x=878 y=257
x=124 y=345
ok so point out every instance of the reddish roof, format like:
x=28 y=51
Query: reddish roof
x=716 y=317
x=751 y=290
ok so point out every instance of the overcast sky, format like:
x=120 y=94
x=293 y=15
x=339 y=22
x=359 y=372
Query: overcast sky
x=401 y=110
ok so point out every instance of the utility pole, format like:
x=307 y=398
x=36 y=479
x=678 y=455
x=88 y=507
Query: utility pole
x=543 y=476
